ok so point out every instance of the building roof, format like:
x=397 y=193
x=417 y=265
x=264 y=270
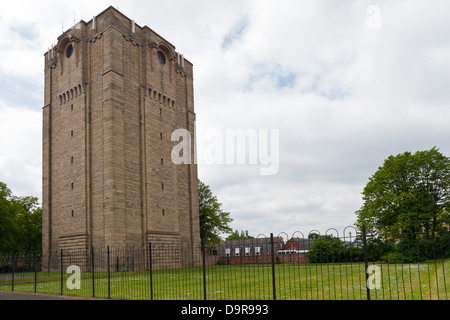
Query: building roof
x=299 y=243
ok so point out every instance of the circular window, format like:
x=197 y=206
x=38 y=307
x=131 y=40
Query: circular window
x=69 y=51
x=161 y=57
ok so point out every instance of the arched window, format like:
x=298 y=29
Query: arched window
x=161 y=57
x=69 y=51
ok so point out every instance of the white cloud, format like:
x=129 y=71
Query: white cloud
x=359 y=96
x=20 y=150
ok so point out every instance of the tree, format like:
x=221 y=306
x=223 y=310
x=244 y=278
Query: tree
x=28 y=218
x=409 y=189
x=239 y=236
x=20 y=222
x=7 y=230
x=326 y=249
x=213 y=220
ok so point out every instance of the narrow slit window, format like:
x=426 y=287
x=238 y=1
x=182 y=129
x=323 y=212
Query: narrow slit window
x=163 y=212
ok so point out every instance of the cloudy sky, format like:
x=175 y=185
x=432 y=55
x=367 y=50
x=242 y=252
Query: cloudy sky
x=344 y=83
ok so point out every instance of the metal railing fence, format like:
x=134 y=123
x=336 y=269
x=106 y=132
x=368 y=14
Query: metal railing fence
x=395 y=265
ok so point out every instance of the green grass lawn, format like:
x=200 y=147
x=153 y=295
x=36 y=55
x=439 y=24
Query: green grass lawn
x=253 y=282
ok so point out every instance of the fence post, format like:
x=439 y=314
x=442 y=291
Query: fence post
x=151 y=269
x=204 y=269
x=13 y=262
x=273 y=267
x=50 y=253
x=366 y=261
x=109 y=273
x=62 y=273
x=35 y=272
x=92 y=271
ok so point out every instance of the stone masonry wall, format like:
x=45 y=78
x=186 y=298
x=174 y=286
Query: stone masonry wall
x=110 y=109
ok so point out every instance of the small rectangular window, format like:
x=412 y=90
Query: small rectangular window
x=163 y=212
x=72 y=185
x=72 y=213
x=71 y=133
x=71 y=159
x=162 y=186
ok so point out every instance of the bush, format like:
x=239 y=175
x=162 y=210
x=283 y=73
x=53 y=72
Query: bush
x=395 y=257
x=409 y=249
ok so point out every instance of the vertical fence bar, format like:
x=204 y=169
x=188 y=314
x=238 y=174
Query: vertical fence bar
x=151 y=269
x=272 y=251
x=35 y=272
x=92 y=272
x=204 y=270
x=13 y=269
x=62 y=273
x=366 y=261
x=48 y=262
x=109 y=272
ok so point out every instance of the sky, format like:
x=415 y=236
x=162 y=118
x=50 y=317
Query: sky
x=329 y=89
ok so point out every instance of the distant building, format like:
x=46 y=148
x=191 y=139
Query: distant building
x=249 y=247
x=259 y=251
x=298 y=244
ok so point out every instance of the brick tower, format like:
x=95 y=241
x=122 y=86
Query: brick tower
x=114 y=93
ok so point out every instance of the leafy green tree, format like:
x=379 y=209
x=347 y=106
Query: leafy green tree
x=326 y=249
x=28 y=217
x=20 y=222
x=239 y=236
x=213 y=220
x=409 y=189
x=7 y=228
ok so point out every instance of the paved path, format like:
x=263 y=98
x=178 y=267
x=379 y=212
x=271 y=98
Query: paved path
x=31 y=296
